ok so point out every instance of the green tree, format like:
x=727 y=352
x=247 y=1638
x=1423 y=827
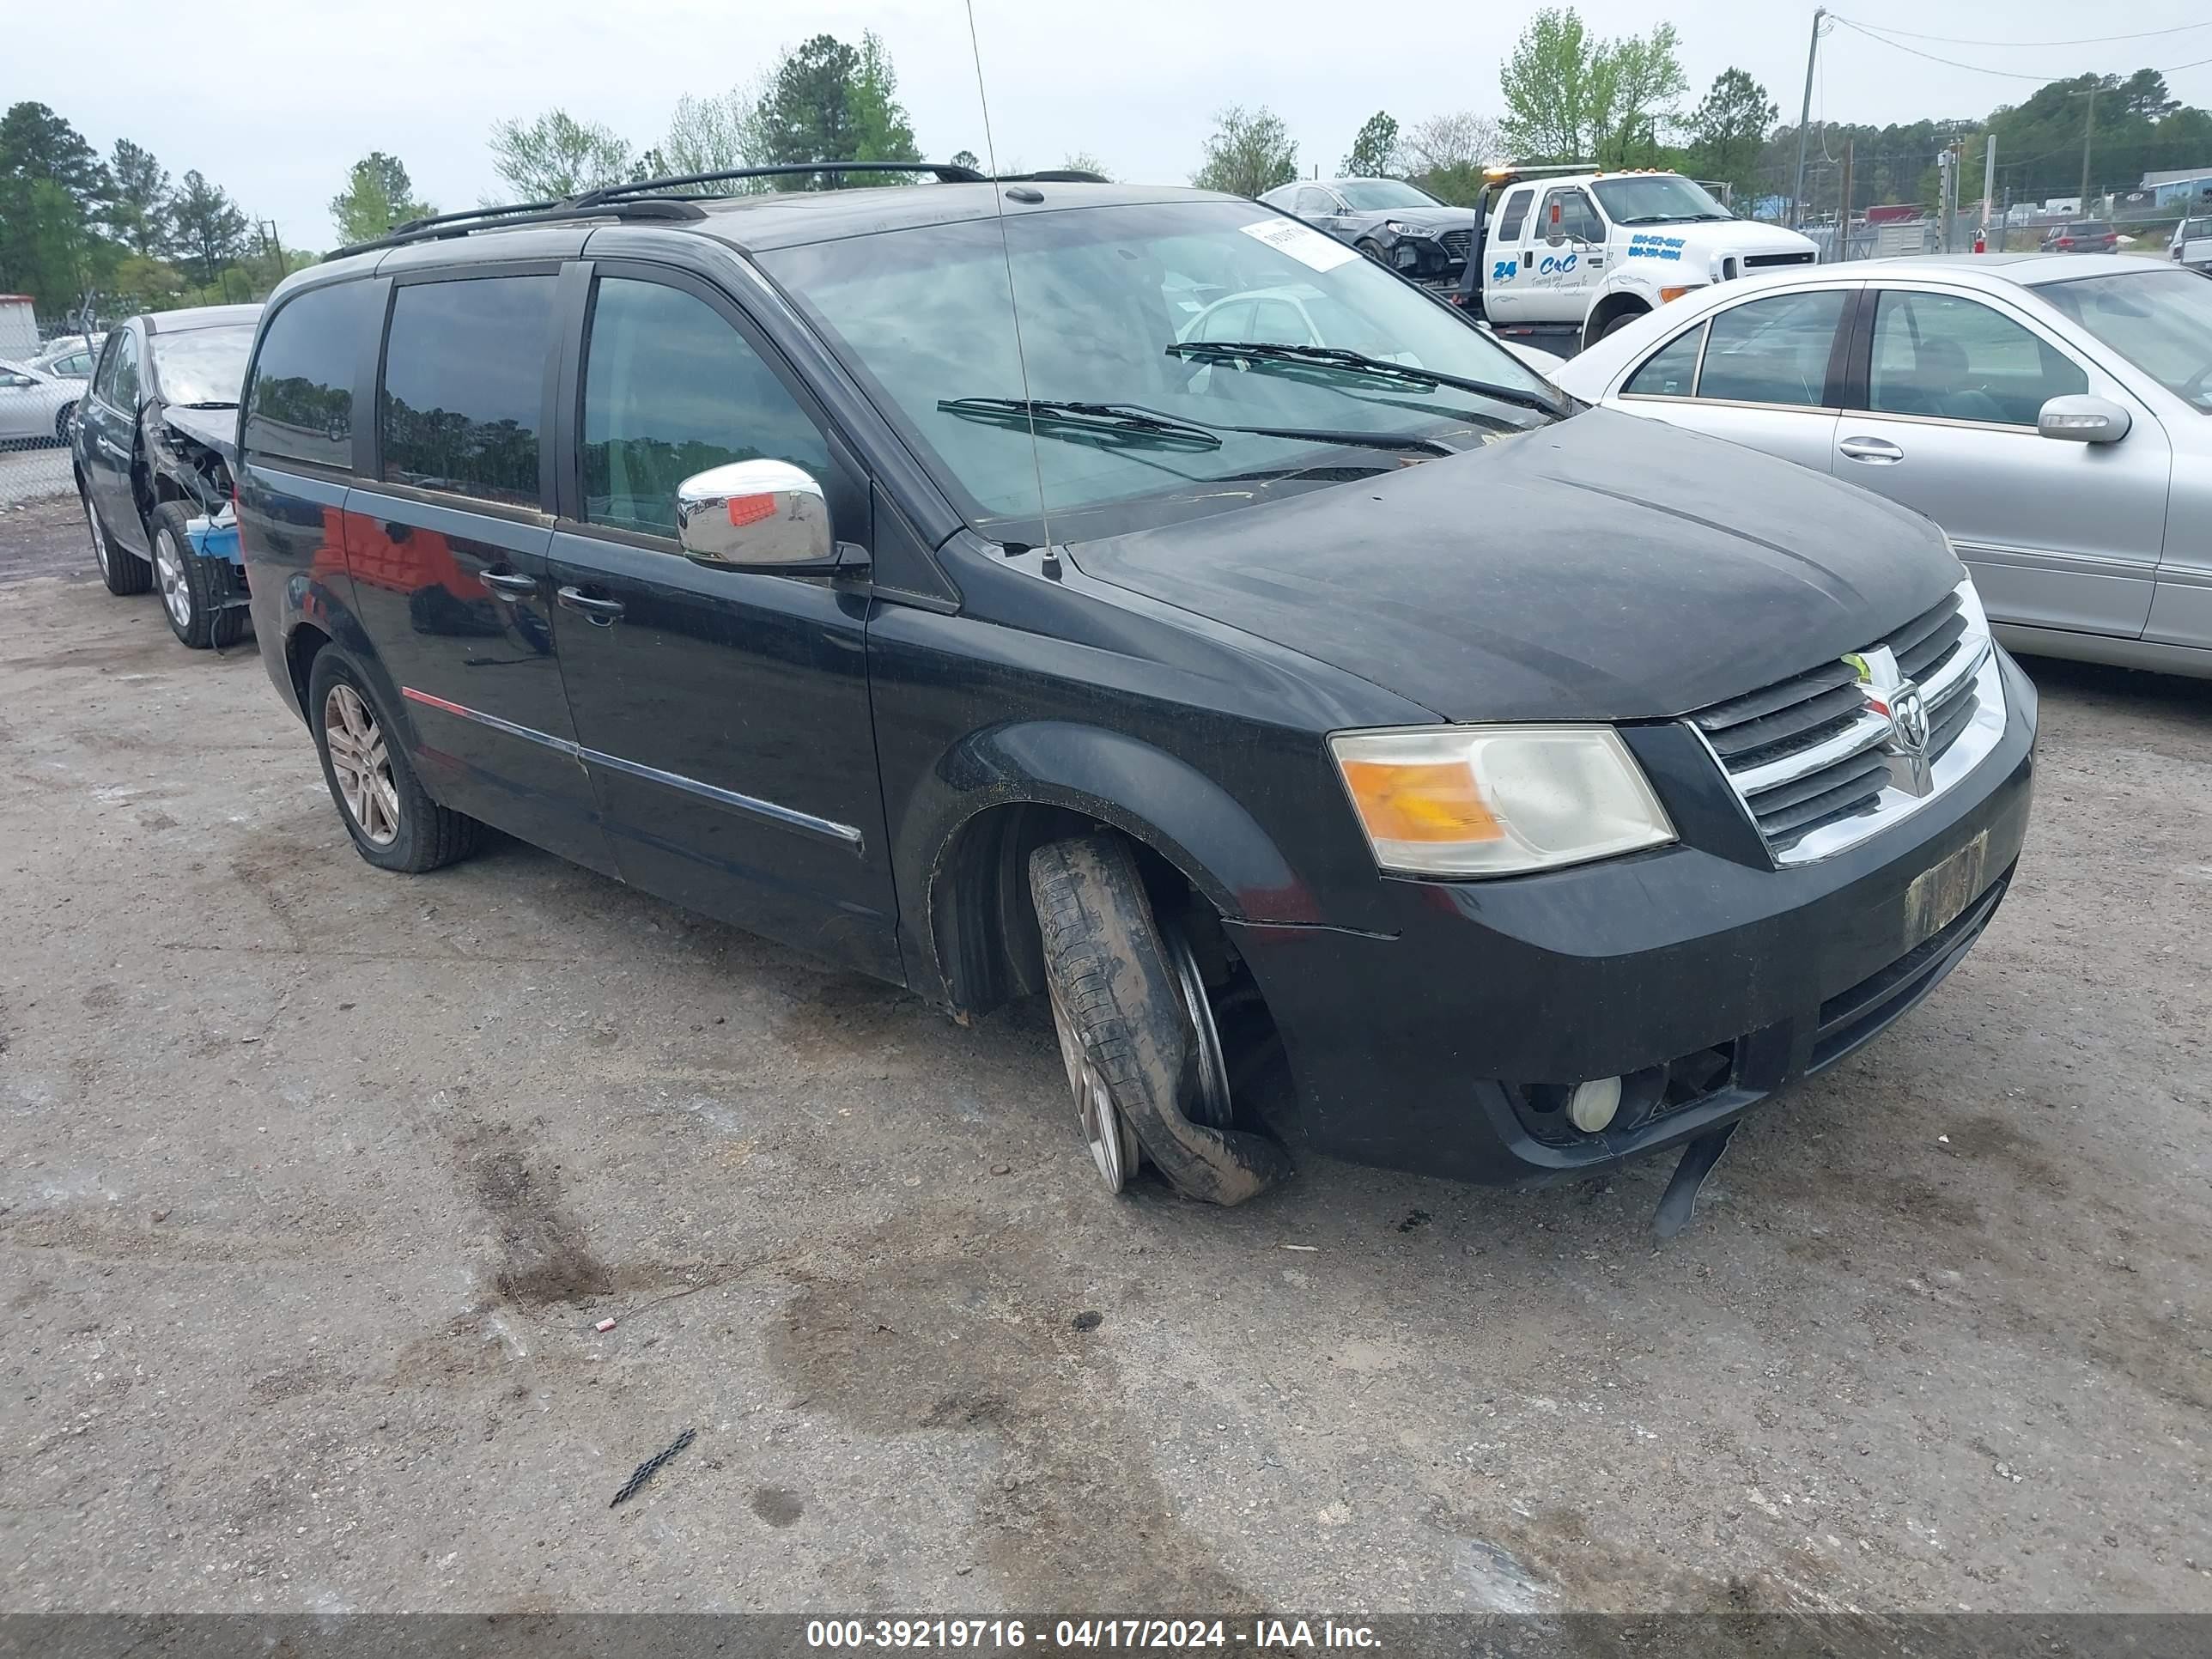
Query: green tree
x=1637 y=81
x=208 y=232
x=37 y=144
x=1550 y=88
x=378 y=196
x=1571 y=97
x=882 y=129
x=1247 y=152
x=138 y=201
x=1083 y=160
x=713 y=135
x=1728 y=128
x=555 y=157
x=1374 y=151
x=966 y=158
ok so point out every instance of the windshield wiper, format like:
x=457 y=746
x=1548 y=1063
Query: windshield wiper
x=1109 y=425
x=1136 y=418
x=211 y=404
x=1341 y=361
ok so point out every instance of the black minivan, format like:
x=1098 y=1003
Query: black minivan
x=1133 y=596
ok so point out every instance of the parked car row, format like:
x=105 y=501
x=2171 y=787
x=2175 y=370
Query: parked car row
x=1248 y=655
x=35 y=407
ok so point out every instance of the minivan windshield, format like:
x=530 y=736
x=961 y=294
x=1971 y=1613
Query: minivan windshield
x=1658 y=198
x=203 y=365
x=2159 y=320
x=1135 y=308
x=1380 y=195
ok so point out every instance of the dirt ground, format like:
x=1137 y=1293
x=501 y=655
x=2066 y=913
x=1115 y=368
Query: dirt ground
x=315 y=1181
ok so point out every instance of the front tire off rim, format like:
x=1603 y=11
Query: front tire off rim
x=1112 y=1142
x=361 y=765
x=169 y=569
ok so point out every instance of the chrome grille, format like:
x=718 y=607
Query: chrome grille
x=1455 y=243
x=1810 y=758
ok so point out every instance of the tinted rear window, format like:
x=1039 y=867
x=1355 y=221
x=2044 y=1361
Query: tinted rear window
x=464 y=384
x=300 y=404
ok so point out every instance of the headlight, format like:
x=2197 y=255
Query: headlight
x=1400 y=227
x=1493 y=800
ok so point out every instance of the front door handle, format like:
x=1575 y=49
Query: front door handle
x=1880 y=452
x=512 y=583
x=603 y=611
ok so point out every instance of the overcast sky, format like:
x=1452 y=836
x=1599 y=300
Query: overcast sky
x=282 y=98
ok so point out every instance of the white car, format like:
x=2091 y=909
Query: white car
x=2192 y=244
x=1942 y=383
x=35 y=408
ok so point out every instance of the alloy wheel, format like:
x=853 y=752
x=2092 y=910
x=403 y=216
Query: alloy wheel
x=361 y=764
x=99 y=536
x=1112 y=1142
x=169 y=570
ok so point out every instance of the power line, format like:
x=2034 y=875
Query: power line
x=1983 y=69
x=2093 y=41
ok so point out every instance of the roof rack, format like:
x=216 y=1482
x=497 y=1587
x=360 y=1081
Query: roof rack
x=642 y=198
x=946 y=172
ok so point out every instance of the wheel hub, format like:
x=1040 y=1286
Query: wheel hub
x=1209 y=1102
x=98 y=541
x=361 y=764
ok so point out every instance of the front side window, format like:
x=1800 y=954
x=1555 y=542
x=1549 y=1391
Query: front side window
x=463 y=386
x=299 y=407
x=1577 y=219
x=202 y=367
x=1310 y=201
x=1945 y=356
x=1510 y=215
x=669 y=389
x=1671 y=371
x=1773 y=350
x=2159 y=320
x=124 y=394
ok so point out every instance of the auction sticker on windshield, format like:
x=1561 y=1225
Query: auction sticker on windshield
x=1302 y=242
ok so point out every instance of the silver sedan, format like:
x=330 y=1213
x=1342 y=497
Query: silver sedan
x=34 y=407
x=2053 y=412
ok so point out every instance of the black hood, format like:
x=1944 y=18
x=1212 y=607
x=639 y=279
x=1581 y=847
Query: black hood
x=1603 y=568
x=216 y=427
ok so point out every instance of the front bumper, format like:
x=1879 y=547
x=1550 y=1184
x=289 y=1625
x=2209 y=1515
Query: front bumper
x=1444 y=1046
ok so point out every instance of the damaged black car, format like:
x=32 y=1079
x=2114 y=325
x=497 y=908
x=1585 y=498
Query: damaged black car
x=152 y=448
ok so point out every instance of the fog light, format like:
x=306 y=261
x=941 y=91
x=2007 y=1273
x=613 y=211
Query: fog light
x=1592 y=1105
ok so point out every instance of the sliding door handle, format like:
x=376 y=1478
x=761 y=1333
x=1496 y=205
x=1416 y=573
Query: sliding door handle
x=599 y=611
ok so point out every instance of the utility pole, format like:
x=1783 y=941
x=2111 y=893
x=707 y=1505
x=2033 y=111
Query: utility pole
x=1804 y=119
x=1843 y=206
x=1989 y=181
x=2088 y=127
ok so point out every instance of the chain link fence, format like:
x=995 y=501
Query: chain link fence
x=33 y=469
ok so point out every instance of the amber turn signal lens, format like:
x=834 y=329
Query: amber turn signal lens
x=1420 y=803
x=1670 y=294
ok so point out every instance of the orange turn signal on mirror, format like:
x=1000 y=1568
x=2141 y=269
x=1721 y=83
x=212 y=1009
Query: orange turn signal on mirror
x=1437 y=803
x=1667 y=295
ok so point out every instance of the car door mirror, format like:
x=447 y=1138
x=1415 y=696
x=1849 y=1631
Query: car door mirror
x=2083 y=420
x=755 y=515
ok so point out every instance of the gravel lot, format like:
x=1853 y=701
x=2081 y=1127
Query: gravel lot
x=314 y=1181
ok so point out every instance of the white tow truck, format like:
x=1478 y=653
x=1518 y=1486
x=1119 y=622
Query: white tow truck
x=1565 y=260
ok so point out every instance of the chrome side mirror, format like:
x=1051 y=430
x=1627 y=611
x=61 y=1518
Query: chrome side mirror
x=755 y=515
x=2083 y=420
